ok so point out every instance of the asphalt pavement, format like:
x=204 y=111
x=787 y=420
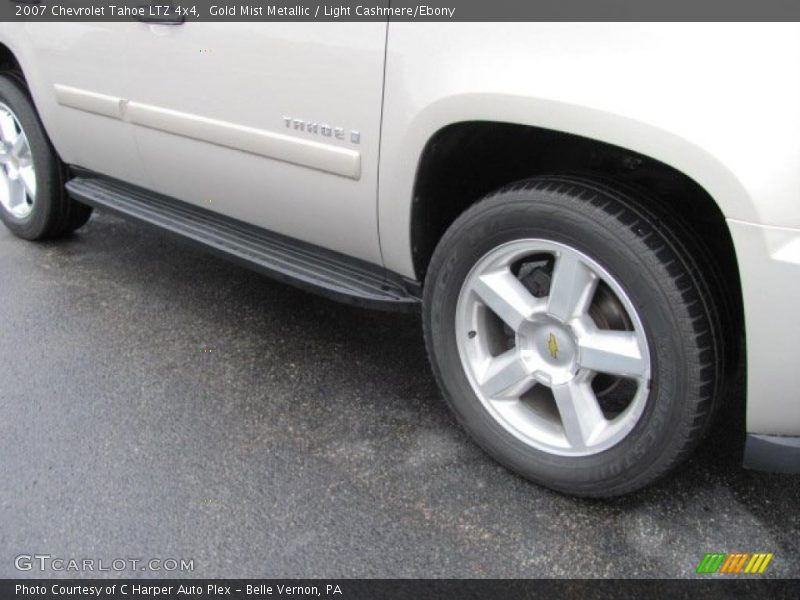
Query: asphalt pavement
x=160 y=403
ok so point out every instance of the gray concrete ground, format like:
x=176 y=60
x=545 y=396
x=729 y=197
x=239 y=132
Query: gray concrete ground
x=156 y=402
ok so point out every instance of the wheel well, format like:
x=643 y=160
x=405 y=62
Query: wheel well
x=9 y=62
x=464 y=162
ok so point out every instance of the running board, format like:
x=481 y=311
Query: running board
x=300 y=264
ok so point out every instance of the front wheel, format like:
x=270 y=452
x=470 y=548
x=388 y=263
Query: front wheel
x=574 y=335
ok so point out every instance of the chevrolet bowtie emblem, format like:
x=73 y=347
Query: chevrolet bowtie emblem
x=552 y=346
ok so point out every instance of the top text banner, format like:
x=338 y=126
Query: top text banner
x=165 y=12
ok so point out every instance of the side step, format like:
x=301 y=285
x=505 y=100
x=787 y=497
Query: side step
x=319 y=270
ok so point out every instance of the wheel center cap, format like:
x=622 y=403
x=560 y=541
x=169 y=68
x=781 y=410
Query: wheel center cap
x=548 y=348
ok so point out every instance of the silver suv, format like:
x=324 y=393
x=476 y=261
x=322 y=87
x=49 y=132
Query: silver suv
x=592 y=218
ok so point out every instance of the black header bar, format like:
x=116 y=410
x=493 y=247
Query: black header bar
x=166 y=12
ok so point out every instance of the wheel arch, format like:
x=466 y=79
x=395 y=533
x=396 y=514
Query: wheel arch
x=462 y=161
x=409 y=159
x=9 y=62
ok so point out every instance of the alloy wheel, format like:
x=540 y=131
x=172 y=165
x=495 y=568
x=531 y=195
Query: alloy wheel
x=553 y=347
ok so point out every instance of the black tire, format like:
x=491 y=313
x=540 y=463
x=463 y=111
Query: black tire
x=668 y=275
x=54 y=213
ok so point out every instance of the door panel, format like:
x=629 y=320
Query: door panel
x=78 y=73
x=276 y=124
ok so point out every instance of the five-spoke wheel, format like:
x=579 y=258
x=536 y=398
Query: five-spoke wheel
x=524 y=319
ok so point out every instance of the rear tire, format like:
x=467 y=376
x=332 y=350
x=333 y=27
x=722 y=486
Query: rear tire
x=528 y=374
x=33 y=202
